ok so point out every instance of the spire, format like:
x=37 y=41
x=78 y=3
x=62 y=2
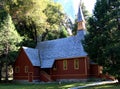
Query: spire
x=80 y=19
x=80 y=14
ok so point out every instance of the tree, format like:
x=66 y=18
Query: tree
x=33 y=17
x=55 y=34
x=28 y=18
x=53 y=11
x=8 y=41
x=103 y=40
x=55 y=19
x=63 y=32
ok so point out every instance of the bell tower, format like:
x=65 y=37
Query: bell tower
x=80 y=19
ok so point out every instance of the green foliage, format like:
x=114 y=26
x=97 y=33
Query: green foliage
x=103 y=41
x=57 y=86
x=75 y=28
x=27 y=29
x=63 y=33
x=9 y=40
x=55 y=34
x=53 y=12
x=8 y=34
x=41 y=86
x=32 y=17
x=55 y=18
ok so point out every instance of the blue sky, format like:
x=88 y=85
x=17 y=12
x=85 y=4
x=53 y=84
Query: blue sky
x=71 y=6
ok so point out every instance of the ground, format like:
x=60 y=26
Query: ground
x=55 y=86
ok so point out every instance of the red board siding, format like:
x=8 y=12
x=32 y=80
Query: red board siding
x=36 y=72
x=70 y=73
x=94 y=70
x=21 y=62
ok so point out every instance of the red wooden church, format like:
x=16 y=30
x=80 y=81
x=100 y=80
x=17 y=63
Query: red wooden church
x=56 y=60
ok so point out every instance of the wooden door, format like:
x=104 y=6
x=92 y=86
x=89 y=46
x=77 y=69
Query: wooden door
x=30 y=77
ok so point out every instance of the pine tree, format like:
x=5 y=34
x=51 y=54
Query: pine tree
x=103 y=41
x=9 y=38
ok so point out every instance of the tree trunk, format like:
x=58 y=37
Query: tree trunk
x=6 y=70
x=35 y=36
x=6 y=60
x=44 y=35
x=34 y=31
x=0 y=72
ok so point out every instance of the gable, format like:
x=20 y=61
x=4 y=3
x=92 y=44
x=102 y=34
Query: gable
x=33 y=56
x=22 y=60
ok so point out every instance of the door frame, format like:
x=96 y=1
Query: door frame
x=30 y=76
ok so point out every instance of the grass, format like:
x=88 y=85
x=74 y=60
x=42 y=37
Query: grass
x=109 y=86
x=40 y=86
x=55 y=86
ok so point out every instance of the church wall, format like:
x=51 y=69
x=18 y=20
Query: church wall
x=95 y=70
x=23 y=68
x=36 y=73
x=70 y=72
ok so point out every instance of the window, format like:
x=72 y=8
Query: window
x=76 y=64
x=17 y=69
x=64 y=64
x=26 y=69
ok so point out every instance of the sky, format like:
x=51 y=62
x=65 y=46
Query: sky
x=71 y=6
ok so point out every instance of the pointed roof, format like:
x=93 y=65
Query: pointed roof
x=80 y=14
x=32 y=55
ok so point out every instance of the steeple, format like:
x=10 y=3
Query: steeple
x=80 y=19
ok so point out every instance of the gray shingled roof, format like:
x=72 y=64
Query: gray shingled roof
x=80 y=15
x=61 y=48
x=32 y=55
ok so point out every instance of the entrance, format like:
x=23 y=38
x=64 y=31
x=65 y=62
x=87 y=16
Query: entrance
x=30 y=77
